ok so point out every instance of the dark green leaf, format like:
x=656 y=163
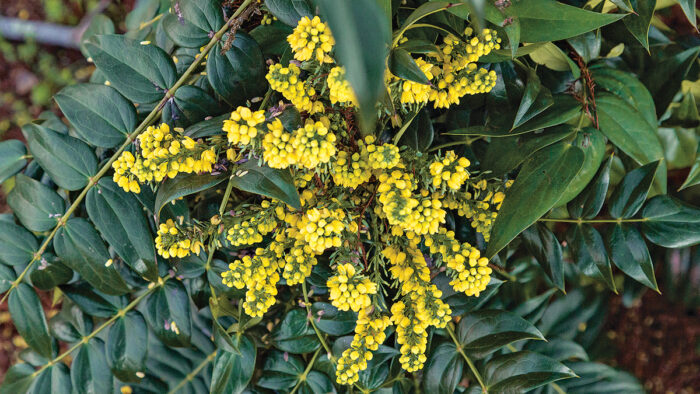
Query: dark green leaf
x=559 y=349
x=36 y=206
x=542 y=179
x=81 y=248
x=99 y=24
x=693 y=176
x=523 y=371
x=419 y=46
x=12 y=158
x=586 y=45
x=443 y=370
x=688 y=7
x=536 y=99
x=295 y=334
x=190 y=105
x=564 y=109
x=592 y=143
x=680 y=146
x=419 y=134
x=92 y=301
x=239 y=74
x=127 y=346
x=207 y=127
x=664 y=78
x=281 y=371
x=589 y=202
x=50 y=273
x=638 y=24
x=533 y=308
x=194 y=23
x=54 y=379
x=272 y=38
x=403 y=66
x=486 y=331
x=270 y=182
x=184 y=185
x=600 y=379
x=101 y=116
x=543 y=244
x=7 y=276
x=89 y=370
x=290 y=12
x=69 y=161
x=71 y=324
x=316 y=382
x=117 y=215
x=511 y=26
x=459 y=302
x=589 y=253
x=505 y=154
x=362 y=36
x=17 y=245
x=629 y=253
x=18 y=379
x=233 y=371
x=142 y=73
x=624 y=5
x=671 y=223
x=628 y=88
x=627 y=129
x=168 y=314
x=29 y=320
x=332 y=321
x=549 y=20
x=630 y=194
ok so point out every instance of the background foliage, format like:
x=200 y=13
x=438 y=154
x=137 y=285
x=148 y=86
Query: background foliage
x=594 y=116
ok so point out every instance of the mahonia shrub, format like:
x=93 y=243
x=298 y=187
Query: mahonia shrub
x=336 y=196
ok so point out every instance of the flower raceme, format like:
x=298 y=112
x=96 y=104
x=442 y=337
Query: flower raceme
x=375 y=211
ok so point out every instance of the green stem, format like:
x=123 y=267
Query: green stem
x=265 y=99
x=306 y=371
x=467 y=359
x=121 y=313
x=313 y=324
x=581 y=221
x=194 y=372
x=130 y=138
x=398 y=135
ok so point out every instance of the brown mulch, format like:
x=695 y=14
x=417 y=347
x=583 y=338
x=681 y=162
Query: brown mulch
x=658 y=342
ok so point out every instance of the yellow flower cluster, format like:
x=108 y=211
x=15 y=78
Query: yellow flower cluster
x=287 y=81
x=420 y=306
x=298 y=263
x=314 y=144
x=172 y=242
x=369 y=334
x=278 y=147
x=415 y=92
x=252 y=230
x=382 y=157
x=449 y=172
x=396 y=195
x=428 y=215
x=241 y=127
x=311 y=39
x=351 y=169
x=321 y=228
x=469 y=271
x=164 y=152
x=259 y=275
x=349 y=290
x=339 y=89
x=454 y=73
x=480 y=207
